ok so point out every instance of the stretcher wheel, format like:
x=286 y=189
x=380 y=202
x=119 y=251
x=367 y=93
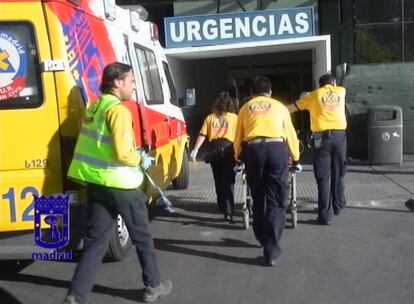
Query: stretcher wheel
x=249 y=205
x=294 y=215
x=246 y=203
x=246 y=219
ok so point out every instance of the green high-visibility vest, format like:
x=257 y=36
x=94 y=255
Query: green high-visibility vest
x=94 y=159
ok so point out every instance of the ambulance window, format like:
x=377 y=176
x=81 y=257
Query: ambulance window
x=170 y=81
x=19 y=67
x=150 y=76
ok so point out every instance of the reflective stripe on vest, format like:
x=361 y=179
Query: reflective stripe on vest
x=99 y=137
x=94 y=160
x=97 y=162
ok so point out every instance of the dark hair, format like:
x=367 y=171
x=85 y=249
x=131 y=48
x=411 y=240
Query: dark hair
x=326 y=79
x=116 y=70
x=261 y=85
x=223 y=103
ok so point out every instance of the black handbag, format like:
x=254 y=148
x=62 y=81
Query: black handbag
x=216 y=150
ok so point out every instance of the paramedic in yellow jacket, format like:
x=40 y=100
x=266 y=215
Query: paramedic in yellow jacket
x=220 y=128
x=326 y=107
x=106 y=160
x=264 y=139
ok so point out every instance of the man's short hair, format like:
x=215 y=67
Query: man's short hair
x=326 y=79
x=261 y=85
x=116 y=70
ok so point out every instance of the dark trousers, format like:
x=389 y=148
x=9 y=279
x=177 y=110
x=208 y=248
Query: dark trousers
x=104 y=206
x=267 y=176
x=224 y=179
x=329 y=169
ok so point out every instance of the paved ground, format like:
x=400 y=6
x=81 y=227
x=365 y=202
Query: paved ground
x=365 y=257
x=385 y=186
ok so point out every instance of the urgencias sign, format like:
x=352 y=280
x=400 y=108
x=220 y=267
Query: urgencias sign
x=239 y=27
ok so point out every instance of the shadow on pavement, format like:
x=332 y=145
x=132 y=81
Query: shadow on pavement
x=177 y=247
x=410 y=204
x=205 y=215
x=129 y=294
x=196 y=206
x=187 y=220
x=308 y=211
x=12 y=267
x=380 y=209
x=380 y=172
x=185 y=204
x=309 y=222
x=7 y=298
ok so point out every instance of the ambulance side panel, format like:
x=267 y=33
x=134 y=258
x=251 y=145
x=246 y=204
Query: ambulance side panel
x=74 y=39
x=37 y=138
x=177 y=127
x=158 y=115
x=30 y=162
x=89 y=42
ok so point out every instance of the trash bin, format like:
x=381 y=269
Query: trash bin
x=385 y=135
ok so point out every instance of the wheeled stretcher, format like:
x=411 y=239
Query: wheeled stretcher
x=247 y=201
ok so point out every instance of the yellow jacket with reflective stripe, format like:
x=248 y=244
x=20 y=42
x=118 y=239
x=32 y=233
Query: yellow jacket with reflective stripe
x=94 y=160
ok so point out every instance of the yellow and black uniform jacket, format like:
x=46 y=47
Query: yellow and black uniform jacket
x=326 y=106
x=219 y=126
x=265 y=117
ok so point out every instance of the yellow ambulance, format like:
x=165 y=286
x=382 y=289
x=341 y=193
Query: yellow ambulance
x=52 y=53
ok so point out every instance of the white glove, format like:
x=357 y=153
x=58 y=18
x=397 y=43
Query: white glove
x=238 y=168
x=193 y=154
x=146 y=160
x=298 y=168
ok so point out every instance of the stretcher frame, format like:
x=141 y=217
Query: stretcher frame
x=247 y=201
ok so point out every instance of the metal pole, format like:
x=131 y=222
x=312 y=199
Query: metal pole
x=354 y=9
x=240 y=5
x=402 y=31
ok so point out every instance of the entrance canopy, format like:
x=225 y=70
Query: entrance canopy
x=320 y=46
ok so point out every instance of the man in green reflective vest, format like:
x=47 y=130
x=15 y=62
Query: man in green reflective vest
x=106 y=160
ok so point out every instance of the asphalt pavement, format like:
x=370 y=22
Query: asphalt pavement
x=365 y=257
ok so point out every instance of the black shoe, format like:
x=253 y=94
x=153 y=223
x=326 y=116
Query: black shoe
x=271 y=263
x=228 y=218
x=70 y=300
x=260 y=240
x=323 y=222
x=153 y=293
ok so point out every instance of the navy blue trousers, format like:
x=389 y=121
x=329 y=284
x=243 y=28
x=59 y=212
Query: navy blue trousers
x=329 y=168
x=104 y=205
x=224 y=179
x=267 y=176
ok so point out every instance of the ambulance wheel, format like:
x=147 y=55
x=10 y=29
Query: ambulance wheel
x=120 y=241
x=183 y=179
